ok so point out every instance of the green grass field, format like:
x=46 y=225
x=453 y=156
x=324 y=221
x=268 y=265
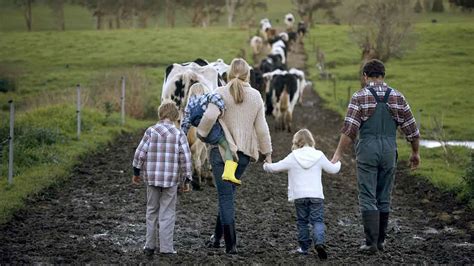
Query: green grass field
x=435 y=78
x=51 y=63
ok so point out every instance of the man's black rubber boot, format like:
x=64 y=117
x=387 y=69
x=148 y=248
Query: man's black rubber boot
x=370 y=220
x=382 y=230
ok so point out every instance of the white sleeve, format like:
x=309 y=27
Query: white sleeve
x=281 y=166
x=329 y=167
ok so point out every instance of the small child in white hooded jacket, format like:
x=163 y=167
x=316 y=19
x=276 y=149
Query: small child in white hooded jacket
x=304 y=166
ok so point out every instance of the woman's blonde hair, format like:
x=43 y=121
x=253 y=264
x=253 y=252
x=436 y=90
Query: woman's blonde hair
x=196 y=89
x=303 y=138
x=168 y=110
x=239 y=73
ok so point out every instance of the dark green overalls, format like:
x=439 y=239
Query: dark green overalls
x=376 y=154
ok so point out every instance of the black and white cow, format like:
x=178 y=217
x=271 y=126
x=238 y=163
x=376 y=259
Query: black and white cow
x=289 y=21
x=257 y=81
x=284 y=95
x=272 y=62
x=280 y=48
x=179 y=77
x=302 y=30
x=302 y=83
x=222 y=69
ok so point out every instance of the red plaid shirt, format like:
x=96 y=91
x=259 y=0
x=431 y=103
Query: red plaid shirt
x=163 y=155
x=362 y=106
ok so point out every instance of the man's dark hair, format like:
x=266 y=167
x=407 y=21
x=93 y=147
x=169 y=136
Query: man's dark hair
x=374 y=68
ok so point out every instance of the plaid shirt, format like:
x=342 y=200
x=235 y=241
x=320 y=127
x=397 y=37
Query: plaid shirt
x=362 y=106
x=164 y=155
x=203 y=101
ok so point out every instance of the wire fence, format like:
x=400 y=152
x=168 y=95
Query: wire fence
x=79 y=104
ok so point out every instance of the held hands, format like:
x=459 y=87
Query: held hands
x=136 y=180
x=336 y=157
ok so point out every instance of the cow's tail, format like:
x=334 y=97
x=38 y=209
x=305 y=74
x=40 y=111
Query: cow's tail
x=284 y=100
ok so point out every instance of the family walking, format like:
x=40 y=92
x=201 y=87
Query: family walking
x=232 y=121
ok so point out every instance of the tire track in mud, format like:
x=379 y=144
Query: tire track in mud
x=99 y=216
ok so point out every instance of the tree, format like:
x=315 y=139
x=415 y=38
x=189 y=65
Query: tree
x=231 y=6
x=428 y=5
x=57 y=8
x=418 y=8
x=464 y=4
x=249 y=10
x=385 y=35
x=306 y=8
x=171 y=13
x=26 y=6
x=438 y=6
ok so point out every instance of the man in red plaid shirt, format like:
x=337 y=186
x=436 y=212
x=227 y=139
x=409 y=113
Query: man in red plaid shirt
x=374 y=114
x=164 y=158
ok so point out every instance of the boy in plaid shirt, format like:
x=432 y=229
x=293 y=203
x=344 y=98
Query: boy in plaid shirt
x=164 y=158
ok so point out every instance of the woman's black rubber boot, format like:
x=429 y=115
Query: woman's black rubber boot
x=230 y=239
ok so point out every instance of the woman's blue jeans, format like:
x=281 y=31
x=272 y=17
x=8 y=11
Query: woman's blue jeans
x=310 y=211
x=226 y=190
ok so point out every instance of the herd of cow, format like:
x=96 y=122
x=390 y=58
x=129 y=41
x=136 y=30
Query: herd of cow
x=281 y=88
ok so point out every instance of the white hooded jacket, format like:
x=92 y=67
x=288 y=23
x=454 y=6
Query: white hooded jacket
x=304 y=167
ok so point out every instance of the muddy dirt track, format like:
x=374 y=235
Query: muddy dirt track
x=98 y=216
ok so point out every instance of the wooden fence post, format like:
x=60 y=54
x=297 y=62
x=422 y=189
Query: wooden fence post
x=10 y=153
x=78 y=111
x=122 y=101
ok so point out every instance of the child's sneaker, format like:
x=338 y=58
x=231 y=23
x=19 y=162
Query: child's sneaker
x=322 y=254
x=300 y=251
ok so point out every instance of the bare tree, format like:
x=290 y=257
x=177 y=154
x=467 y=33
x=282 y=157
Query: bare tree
x=306 y=8
x=205 y=12
x=438 y=6
x=249 y=10
x=382 y=28
x=231 y=6
x=418 y=8
x=466 y=5
x=26 y=6
x=171 y=13
x=57 y=8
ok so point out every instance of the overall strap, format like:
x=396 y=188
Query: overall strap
x=377 y=99
x=387 y=94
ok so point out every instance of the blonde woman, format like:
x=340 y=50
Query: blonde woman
x=304 y=166
x=246 y=131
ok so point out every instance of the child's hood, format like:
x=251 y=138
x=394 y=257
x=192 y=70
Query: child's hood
x=307 y=156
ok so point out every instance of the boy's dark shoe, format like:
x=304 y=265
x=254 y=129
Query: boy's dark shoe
x=149 y=251
x=321 y=250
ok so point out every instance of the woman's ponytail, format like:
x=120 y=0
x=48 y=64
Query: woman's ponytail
x=239 y=73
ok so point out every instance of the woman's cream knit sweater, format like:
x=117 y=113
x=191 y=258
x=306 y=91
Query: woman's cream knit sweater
x=244 y=124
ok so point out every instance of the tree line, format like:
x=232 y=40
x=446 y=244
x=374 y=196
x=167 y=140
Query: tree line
x=119 y=13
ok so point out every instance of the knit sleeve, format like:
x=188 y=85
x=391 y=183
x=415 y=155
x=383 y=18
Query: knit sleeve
x=263 y=133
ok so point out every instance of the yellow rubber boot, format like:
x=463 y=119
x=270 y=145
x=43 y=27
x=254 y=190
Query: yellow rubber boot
x=229 y=173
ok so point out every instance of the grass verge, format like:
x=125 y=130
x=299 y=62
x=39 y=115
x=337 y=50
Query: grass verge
x=46 y=149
